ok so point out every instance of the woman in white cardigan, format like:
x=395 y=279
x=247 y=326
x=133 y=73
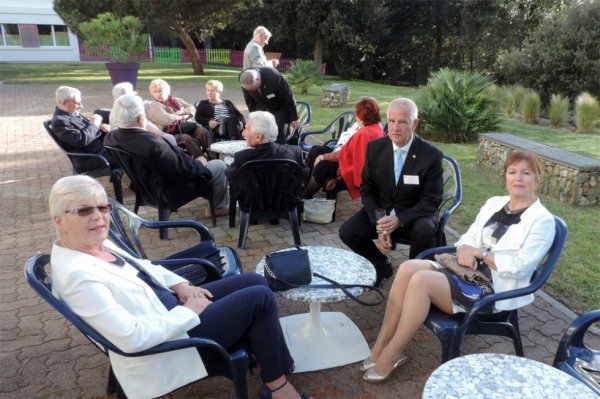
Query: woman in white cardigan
x=137 y=305
x=510 y=236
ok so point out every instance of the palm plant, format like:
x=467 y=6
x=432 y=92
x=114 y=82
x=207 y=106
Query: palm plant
x=587 y=112
x=456 y=105
x=559 y=110
x=303 y=75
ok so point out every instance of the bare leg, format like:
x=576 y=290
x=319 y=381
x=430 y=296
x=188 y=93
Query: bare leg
x=424 y=288
x=393 y=309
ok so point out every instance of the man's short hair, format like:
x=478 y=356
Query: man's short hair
x=263 y=122
x=121 y=89
x=64 y=93
x=261 y=30
x=127 y=109
x=249 y=77
x=405 y=103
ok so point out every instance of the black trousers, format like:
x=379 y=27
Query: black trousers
x=244 y=308
x=358 y=233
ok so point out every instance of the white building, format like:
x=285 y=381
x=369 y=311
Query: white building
x=31 y=31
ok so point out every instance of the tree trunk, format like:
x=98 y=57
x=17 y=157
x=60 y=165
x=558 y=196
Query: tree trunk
x=188 y=43
x=318 y=54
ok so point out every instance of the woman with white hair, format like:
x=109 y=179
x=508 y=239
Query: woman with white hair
x=173 y=115
x=221 y=116
x=137 y=305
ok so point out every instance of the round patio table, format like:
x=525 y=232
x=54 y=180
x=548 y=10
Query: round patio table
x=495 y=376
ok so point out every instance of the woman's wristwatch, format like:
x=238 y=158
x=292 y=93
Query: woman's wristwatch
x=484 y=253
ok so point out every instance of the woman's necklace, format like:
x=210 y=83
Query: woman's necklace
x=514 y=211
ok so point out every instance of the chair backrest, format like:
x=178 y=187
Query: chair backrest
x=304 y=113
x=451 y=199
x=543 y=271
x=39 y=280
x=145 y=182
x=340 y=124
x=83 y=163
x=268 y=185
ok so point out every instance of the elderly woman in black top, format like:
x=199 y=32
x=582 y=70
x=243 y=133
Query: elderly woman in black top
x=222 y=116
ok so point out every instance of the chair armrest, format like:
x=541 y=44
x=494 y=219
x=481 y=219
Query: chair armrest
x=99 y=157
x=181 y=344
x=174 y=264
x=428 y=253
x=203 y=232
x=575 y=333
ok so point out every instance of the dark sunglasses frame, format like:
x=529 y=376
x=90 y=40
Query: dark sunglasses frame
x=83 y=211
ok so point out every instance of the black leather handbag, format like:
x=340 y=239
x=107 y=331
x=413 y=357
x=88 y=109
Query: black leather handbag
x=291 y=269
x=287 y=269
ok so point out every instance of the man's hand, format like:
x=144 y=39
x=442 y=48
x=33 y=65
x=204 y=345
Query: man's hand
x=185 y=292
x=388 y=224
x=294 y=123
x=96 y=119
x=213 y=123
x=105 y=127
x=385 y=242
x=202 y=160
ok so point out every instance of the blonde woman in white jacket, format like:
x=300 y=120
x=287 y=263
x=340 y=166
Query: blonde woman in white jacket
x=137 y=305
x=510 y=236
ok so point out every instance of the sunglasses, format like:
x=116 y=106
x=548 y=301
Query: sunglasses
x=88 y=210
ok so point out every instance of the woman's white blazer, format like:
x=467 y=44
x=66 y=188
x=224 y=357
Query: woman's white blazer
x=519 y=250
x=127 y=312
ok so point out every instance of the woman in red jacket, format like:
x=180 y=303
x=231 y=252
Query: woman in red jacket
x=341 y=169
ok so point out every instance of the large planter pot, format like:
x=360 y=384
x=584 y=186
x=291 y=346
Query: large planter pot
x=123 y=72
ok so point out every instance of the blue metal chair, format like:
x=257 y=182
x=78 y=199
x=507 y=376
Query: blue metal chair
x=452 y=197
x=304 y=117
x=218 y=362
x=331 y=132
x=574 y=357
x=102 y=167
x=125 y=232
x=452 y=329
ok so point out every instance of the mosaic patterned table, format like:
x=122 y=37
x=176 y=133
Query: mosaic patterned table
x=321 y=340
x=229 y=147
x=492 y=375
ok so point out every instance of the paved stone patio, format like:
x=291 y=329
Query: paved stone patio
x=43 y=356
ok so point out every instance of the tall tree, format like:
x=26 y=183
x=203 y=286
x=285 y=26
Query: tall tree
x=184 y=19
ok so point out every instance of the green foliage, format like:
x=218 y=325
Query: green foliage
x=303 y=75
x=587 y=112
x=531 y=107
x=456 y=105
x=561 y=56
x=559 y=110
x=119 y=38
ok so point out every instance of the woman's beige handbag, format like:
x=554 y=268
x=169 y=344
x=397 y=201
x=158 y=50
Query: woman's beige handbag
x=318 y=210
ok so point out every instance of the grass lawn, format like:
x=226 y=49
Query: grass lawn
x=576 y=280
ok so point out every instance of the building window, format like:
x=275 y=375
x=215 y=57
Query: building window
x=11 y=34
x=29 y=35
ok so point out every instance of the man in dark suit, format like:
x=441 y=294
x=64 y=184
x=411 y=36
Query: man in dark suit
x=183 y=173
x=403 y=175
x=266 y=90
x=76 y=132
x=260 y=134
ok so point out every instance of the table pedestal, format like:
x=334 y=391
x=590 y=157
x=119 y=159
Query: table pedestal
x=320 y=341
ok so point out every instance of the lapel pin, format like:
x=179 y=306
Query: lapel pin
x=414 y=156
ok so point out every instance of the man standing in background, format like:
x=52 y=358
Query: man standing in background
x=254 y=56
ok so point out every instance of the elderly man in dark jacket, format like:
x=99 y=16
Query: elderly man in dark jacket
x=76 y=132
x=266 y=90
x=181 y=173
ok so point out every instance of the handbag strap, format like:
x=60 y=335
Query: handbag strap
x=344 y=287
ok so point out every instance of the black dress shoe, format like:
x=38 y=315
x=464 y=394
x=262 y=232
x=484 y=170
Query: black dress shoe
x=383 y=273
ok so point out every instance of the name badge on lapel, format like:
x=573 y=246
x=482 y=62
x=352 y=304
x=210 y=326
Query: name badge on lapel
x=270 y=96
x=411 y=179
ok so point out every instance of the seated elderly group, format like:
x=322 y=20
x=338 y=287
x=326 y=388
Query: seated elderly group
x=138 y=305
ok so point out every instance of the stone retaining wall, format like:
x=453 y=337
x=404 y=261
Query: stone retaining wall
x=568 y=177
x=335 y=95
